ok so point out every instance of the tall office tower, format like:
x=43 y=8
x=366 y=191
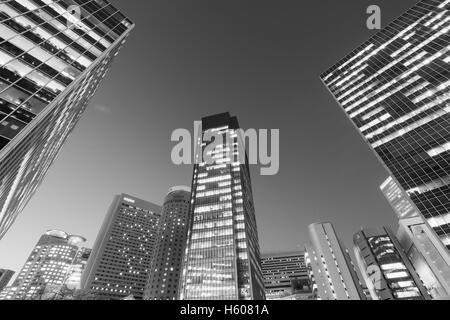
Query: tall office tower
x=427 y=254
x=120 y=260
x=49 y=264
x=165 y=272
x=223 y=257
x=333 y=271
x=286 y=276
x=5 y=277
x=395 y=89
x=422 y=245
x=388 y=273
x=53 y=55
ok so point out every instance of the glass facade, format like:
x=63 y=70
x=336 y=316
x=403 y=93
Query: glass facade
x=120 y=260
x=164 y=279
x=222 y=258
x=49 y=264
x=286 y=275
x=388 y=273
x=427 y=254
x=395 y=89
x=53 y=55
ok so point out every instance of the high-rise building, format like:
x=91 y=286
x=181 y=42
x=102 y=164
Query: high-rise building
x=49 y=264
x=427 y=254
x=387 y=271
x=120 y=260
x=422 y=245
x=333 y=272
x=164 y=279
x=53 y=55
x=5 y=277
x=395 y=89
x=223 y=256
x=286 y=275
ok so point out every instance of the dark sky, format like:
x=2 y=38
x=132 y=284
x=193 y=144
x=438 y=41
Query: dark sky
x=260 y=60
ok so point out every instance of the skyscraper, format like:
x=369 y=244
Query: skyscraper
x=333 y=271
x=120 y=260
x=395 y=89
x=5 y=277
x=222 y=257
x=428 y=255
x=388 y=273
x=49 y=264
x=286 y=275
x=422 y=245
x=165 y=272
x=53 y=55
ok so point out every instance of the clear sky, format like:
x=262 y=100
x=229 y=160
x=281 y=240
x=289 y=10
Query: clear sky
x=260 y=60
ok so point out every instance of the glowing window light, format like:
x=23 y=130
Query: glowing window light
x=441 y=149
x=395 y=275
x=405 y=284
x=393 y=266
x=406 y=294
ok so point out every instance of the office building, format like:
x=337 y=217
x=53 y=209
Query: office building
x=286 y=276
x=164 y=279
x=223 y=257
x=388 y=273
x=429 y=257
x=333 y=272
x=49 y=264
x=423 y=247
x=395 y=89
x=120 y=260
x=5 y=277
x=51 y=63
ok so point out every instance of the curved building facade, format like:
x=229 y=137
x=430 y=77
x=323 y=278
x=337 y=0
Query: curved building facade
x=387 y=271
x=51 y=265
x=164 y=278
